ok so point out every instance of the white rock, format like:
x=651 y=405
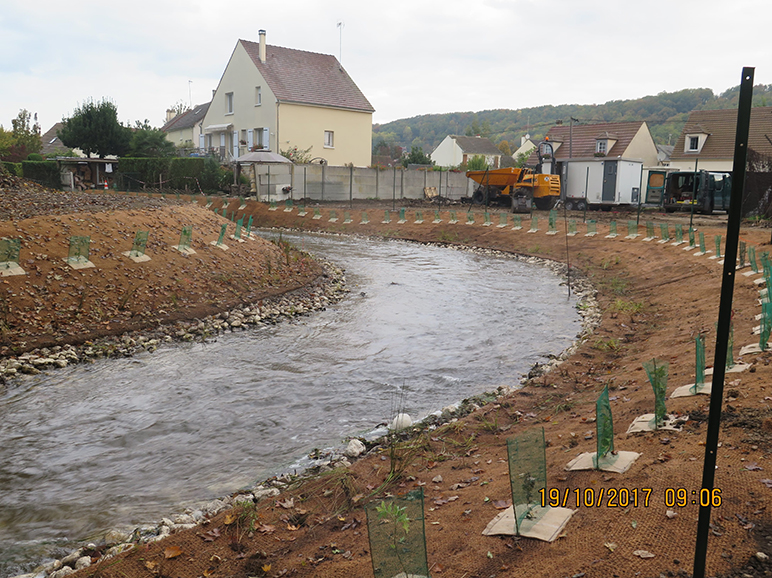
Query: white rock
x=355 y=448
x=31 y=575
x=400 y=422
x=113 y=537
x=70 y=558
x=184 y=519
x=181 y=527
x=62 y=573
x=266 y=493
x=761 y=557
x=83 y=562
x=164 y=531
x=437 y=479
x=166 y=522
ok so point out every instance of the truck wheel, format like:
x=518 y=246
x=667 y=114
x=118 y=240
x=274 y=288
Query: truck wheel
x=478 y=197
x=544 y=203
x=569 y=205
x=581 y=205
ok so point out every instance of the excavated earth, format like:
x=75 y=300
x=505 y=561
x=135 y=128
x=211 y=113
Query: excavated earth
x=653 y=300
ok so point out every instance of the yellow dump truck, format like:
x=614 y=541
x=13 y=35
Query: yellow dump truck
x=520 y=185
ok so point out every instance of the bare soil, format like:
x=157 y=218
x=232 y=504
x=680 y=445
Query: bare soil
x=655 y=298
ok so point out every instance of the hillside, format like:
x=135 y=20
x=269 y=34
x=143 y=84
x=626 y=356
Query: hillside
x=665 y=114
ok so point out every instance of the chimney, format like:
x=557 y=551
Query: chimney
x=170 y=114
x=261 y=33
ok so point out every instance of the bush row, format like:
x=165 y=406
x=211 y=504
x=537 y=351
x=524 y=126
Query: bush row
x=44 y=172
x=175 y=173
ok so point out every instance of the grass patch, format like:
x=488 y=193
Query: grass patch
x=607 y=344
x=631 y=307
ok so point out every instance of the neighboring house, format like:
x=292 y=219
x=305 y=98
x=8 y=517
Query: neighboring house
x=186 y=129
x=708 y=139
x=663 y=154
x=53 y=145
x=456 y=150
x=631 y=140
x=526 y=146
x=276 y=98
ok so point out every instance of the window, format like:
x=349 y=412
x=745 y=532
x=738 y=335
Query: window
x=600 y=147
x=329 y=139
x=228 y=103
x=694 y=143
x=258 y=95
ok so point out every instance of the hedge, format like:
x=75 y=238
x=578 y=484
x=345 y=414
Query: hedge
x=13 y=168
x=44 y=172
x=176 y=173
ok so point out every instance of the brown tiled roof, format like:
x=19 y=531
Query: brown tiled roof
x=297 y=76
x=475 y=145
x=187 y=119
x=721 y=126
x=581 y=141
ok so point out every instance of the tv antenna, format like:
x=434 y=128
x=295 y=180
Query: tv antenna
x=190 y=94
x=340 y=25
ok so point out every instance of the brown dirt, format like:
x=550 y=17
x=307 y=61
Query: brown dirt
x=323 y=533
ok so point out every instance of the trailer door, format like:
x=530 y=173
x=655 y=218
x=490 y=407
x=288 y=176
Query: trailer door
x=609 y=181
x=655 y=187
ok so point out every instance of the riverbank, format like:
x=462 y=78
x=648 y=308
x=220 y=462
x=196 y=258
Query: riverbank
x=654 y=298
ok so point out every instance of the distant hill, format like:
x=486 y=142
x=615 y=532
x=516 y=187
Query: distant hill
x=665 y=114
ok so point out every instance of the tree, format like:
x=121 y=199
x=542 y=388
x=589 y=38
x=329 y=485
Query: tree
x=521 y=159
x=476 y=163
x=6 y=142
x=26 y=136
x=416 y=157
x=503 y=146
x=149 y=142
x=94 y=128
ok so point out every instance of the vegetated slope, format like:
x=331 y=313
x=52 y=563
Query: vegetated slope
x=665 y=113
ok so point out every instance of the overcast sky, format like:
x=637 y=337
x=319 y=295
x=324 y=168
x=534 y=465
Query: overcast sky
x=408 y=57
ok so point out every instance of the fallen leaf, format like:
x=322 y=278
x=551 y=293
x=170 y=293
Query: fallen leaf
x=610 y=545
x=753 y=467
x=501 y=504
x=230 y=517
x=490 y=555
x=643 y=554
x=287 y=504
x=292 y=528
x=172 y=552
x=152 y=566
x=634 y=524
x=266 y=568
x=266 y=529
x=767 y=482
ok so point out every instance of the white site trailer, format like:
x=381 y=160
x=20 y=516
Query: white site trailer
x=601 y=182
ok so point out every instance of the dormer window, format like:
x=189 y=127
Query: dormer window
x=694 y=142
x=601 y=146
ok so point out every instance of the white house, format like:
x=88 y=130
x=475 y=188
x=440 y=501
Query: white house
x=277 y=98
x=185 y=129
x=455 y=150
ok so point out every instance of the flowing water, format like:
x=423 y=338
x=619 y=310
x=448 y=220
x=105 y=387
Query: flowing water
x=126 y=441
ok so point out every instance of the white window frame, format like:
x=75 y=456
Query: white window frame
x=601 y=146
x=694 y=144
x=329 y=139
x=228 y=103
x=258 y=95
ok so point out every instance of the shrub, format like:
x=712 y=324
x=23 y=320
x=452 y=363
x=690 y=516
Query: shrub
x=44 y=172
x=34 y=157
x=12 y=168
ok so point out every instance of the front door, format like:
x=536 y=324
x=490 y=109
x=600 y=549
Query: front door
x=609 y=181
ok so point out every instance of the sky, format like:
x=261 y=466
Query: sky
x=409 y=58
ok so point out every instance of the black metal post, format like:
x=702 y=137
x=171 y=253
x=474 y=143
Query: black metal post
x=351 y=187
x=706 y=494
x=269 y=183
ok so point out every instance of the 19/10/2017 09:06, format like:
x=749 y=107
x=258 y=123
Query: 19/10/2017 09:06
x=628 y=497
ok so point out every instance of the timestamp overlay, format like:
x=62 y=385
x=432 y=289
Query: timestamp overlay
x=628 y=497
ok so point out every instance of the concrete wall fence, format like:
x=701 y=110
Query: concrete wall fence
x=328 y=183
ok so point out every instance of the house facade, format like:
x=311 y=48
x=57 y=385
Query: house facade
x=630 y=140
x=186 y=129
x=276 y=98
x=707 y=139
x=455 y=150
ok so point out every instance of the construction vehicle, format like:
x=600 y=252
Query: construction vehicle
x=520 y=186
x=711 y=191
